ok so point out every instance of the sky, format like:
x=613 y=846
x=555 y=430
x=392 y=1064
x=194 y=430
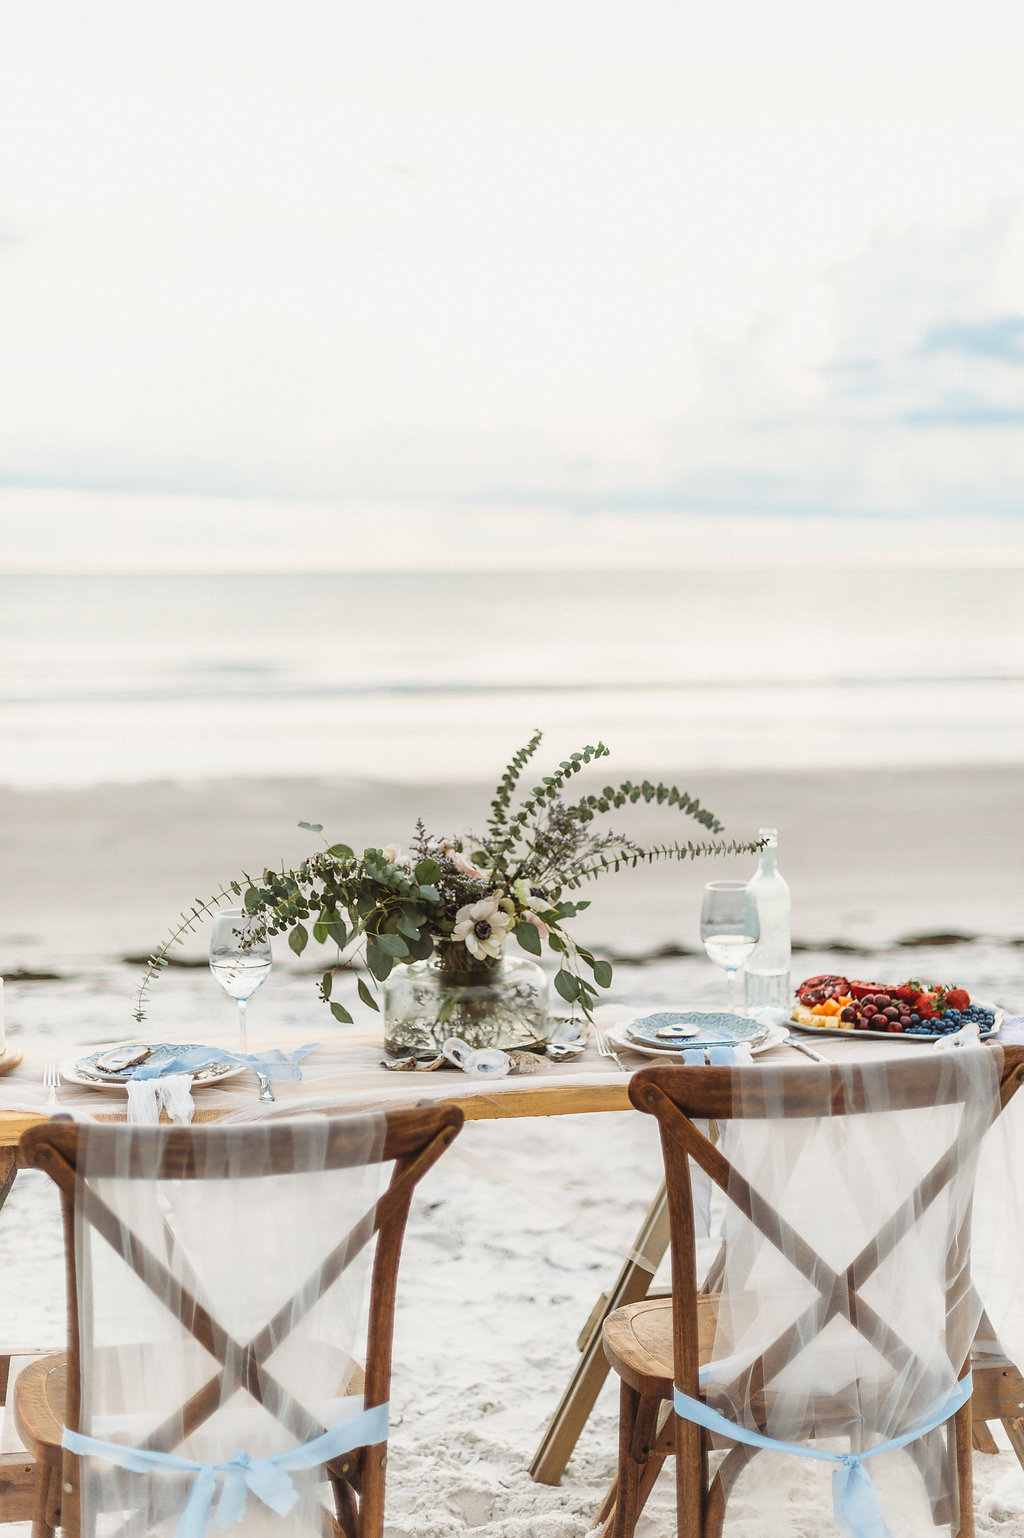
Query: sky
x=583 y=259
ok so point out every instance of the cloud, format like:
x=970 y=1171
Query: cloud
x=1001 y=337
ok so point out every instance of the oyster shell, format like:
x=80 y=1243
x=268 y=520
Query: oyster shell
x=412 y=1064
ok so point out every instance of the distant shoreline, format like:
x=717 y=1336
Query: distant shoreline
x=875 y=858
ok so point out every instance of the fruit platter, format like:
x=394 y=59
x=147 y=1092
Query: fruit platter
x=920 y=1011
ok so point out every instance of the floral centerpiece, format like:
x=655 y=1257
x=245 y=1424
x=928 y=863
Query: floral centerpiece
x=433 y=923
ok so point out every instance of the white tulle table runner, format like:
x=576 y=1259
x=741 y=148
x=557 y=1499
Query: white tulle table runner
x=343 y=1072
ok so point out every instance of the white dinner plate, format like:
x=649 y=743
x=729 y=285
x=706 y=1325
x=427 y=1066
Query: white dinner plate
x=775 y=1036
x=81 y=1070
x=910 y=1036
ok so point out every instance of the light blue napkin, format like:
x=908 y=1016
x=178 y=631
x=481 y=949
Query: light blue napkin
x=274 y=1064
x=716 y=1057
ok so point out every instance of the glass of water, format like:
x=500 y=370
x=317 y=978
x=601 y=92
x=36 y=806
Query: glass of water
x=730 y=929
x=238 y=960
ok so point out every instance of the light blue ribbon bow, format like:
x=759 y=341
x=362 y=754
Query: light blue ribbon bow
x=273 y=1064
x=267 y=1478
x=855 y=1505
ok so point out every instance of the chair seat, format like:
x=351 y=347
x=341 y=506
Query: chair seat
x=638 y=1344
x=638 y=1341
x=40 y=1397
x=40 y=1394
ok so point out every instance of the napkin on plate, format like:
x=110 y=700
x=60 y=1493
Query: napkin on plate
x=167 y=1084
x=717 y=1057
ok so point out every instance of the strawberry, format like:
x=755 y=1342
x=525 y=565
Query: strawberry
x=957 y=998
x=926 y=1008
x=909 y=993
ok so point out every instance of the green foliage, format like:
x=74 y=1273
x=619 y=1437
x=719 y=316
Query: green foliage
x=462 y=890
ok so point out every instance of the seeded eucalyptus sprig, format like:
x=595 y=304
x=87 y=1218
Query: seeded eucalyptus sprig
x=463 y=891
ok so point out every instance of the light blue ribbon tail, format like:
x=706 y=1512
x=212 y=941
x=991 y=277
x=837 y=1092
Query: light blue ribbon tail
x=267 y=1478
x=855 y=1505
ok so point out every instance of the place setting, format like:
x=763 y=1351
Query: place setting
x=730 y=931
x=159 y=1077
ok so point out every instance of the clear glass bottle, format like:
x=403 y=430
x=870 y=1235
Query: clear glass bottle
x=766 y=974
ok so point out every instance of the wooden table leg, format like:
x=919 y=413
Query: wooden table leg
x=18 y=1473
x=633 y=1283
x=8 y=1170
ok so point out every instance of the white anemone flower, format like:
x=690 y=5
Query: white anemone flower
x=531 y=897
x=483 y=927
x=392 y=853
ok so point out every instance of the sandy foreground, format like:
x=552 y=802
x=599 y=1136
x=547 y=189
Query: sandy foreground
x=524 y=1224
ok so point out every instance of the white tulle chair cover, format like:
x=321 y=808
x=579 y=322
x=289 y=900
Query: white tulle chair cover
x=848 y=1308
x=997 y=1244
x=264 y=1256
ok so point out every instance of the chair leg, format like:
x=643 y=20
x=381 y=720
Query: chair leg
x=47 y=1502
x=1015 y=1431
x=372 y=1474
x=984 y=1441
x=729 y=1470
x=964 y=1472
x=638 y=1466
x=691 y=1478
x=607 y=1506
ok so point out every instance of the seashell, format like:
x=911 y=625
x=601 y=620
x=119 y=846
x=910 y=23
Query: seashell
x=524 y=1062
x=412 y=1064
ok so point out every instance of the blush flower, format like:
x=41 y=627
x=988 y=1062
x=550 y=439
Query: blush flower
x=538 y=923
x=466 y=867
x=483 y=927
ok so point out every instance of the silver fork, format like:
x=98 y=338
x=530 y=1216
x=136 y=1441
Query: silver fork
x=605 y=1049
x=51 y=1083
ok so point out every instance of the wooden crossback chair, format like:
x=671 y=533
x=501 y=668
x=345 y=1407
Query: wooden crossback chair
x=662 y=1341
x=48 y=1395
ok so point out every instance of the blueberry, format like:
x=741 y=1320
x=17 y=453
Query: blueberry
x=915 y=1019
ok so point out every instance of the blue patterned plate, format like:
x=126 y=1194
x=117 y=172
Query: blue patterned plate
x=83 y=1070
x=702 y=1028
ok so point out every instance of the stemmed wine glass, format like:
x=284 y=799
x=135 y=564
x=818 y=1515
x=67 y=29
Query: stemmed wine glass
x=730 y=929
x=238 y=960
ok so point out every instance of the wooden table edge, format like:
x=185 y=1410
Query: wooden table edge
x=523 y=1100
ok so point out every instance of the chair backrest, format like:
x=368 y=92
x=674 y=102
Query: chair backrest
x=216 y=1297
x=845 y=1227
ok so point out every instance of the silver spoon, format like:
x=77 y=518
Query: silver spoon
x=266 y=1093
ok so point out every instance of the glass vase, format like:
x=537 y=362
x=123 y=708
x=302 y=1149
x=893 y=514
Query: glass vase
x=491 y=1003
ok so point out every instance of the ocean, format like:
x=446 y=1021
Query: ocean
x=433 y=676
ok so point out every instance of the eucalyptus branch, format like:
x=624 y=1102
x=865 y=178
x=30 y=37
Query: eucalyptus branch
x=187 y=921
x=634 y=857
x=541 y=795
x=507 y=784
